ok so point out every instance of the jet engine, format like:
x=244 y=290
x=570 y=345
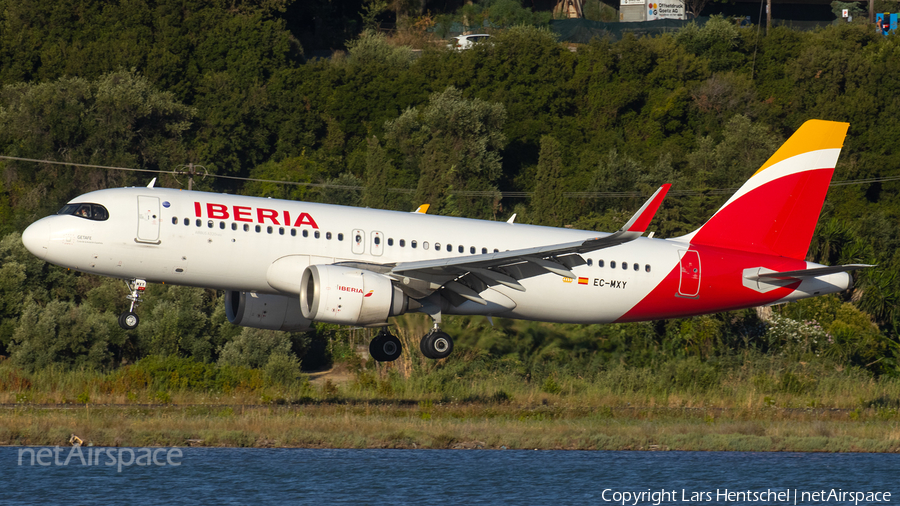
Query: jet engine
x=263 y=311
x=348 y=296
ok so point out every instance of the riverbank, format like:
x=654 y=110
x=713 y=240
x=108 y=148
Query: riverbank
x=400 y=424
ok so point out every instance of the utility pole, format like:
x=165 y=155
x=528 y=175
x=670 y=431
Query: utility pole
x=769 y=15
x=871 y=12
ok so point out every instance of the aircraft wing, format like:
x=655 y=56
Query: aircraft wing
x=469 y=275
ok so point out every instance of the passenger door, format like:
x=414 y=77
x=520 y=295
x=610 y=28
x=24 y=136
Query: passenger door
x=148 y=219
x=689 y=284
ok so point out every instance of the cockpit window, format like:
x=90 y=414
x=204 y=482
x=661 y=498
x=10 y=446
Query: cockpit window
x=94 y=212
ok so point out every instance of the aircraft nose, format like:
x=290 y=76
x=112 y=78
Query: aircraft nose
x=37 y=237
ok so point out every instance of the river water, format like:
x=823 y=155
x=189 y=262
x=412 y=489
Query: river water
x=304 y=476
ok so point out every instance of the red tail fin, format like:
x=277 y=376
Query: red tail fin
x=775 y=211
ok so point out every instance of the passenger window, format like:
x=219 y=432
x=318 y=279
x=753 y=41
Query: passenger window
x=280 y=230
x=484 y=251
x=612 y=264
x=209 y=224
x=412 y=244
x=496 y=250
x=449 y=248
x=425 y=245
x=234 y=226
x=317 y=234
x=437 y=246
x=187 y=222
x=647 y=267
x=174 y=220
x=293 y=232
x=246 y=227
x=306 y=233
x=269 y=229
x=198 y=222
x=590 y=262
x=636 y=267
x=390 y=241
x=377 y=240
x=222 y=225
x=258 y=229
x=600 y=263
x=328 y=235
x=472 y=249
x=402 y=243
x=340 y=237
x=624 y=266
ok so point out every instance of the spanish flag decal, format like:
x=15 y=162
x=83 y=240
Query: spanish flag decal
x=582 y=281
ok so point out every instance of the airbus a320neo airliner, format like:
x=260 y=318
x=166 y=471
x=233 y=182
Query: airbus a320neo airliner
x=284 y=264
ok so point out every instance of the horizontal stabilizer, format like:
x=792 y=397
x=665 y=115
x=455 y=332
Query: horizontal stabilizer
x=805 y=273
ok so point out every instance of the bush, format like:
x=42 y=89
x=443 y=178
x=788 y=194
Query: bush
x=255 y=347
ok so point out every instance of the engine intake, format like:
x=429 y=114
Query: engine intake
x=348 y=296
x=263 y=311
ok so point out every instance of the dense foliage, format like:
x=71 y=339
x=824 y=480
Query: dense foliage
x=156 y=84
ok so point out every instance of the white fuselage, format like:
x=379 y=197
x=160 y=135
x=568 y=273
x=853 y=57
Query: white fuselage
x=231 y=242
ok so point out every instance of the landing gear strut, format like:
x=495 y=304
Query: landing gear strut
x=436 y=344
x=385 y=347
x=129 y=319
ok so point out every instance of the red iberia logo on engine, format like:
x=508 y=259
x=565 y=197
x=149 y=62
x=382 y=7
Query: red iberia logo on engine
x=350 y=289
x=253 y=214
x=370 y=293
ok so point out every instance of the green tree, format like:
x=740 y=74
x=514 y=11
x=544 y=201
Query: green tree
x=62 y=333
x=548 y=205
x=454 y=144
x=120 y=119
x=378 y=170
x=255 y=348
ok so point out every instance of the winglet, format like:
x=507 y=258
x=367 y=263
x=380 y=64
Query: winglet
x=641 y=219
x=152 y=182
x=422 y=209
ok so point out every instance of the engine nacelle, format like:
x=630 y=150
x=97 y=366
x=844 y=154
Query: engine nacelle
x=263 y=311
x=348 y=296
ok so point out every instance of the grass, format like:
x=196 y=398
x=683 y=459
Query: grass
x=455 y=425
x=753 y=403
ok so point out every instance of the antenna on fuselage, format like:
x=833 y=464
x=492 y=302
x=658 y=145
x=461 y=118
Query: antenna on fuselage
x=152 y=182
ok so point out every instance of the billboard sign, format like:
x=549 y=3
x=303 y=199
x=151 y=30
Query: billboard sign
x=665 y=9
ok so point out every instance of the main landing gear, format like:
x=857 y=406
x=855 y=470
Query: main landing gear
x=385 y=347
x=129 y=319
x=436 y=344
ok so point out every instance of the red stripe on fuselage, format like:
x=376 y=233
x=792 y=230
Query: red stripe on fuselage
x=721 y=286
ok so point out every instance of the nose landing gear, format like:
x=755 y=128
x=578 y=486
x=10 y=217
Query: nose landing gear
x=129 y=319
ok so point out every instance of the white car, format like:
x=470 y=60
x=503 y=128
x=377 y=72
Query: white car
x=466 y=41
